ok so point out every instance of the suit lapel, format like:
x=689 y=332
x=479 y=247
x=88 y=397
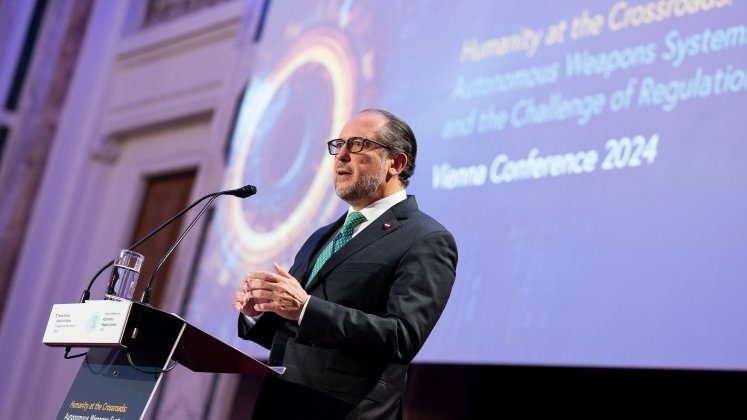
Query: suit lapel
x=316 y=242
x=386 y=224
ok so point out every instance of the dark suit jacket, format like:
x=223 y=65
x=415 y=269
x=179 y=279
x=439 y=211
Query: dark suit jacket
x=372 y=306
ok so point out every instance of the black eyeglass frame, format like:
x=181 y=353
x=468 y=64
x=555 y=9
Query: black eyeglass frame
x=334 y=145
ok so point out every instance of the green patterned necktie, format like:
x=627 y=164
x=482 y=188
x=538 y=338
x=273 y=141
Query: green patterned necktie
x=354 y=219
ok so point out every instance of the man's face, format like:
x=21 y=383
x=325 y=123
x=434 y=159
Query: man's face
x=360 y=177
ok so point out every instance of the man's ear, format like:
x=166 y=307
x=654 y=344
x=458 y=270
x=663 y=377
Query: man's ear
x=399 y=161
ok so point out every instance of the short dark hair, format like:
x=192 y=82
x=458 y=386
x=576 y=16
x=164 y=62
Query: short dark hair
x=398 y=135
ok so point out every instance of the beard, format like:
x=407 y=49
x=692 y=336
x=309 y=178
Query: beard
x=365 y=186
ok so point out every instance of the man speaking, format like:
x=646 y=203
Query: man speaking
x=363 y=293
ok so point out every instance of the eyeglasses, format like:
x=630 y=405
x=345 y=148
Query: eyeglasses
x=355 y=145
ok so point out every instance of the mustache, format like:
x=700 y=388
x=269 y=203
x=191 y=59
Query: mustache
x=344 y=167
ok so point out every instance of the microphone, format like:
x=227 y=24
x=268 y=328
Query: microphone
x=243 y=192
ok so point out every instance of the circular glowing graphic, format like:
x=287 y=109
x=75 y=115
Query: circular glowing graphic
x=278 y=145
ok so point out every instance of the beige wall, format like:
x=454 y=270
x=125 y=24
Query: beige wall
x=141 y=102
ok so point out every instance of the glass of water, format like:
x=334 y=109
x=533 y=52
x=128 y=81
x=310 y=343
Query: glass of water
x=124 y=276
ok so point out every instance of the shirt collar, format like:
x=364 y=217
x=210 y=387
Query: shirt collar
x=377 y=208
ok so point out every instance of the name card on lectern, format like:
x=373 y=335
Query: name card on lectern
x=98 y=323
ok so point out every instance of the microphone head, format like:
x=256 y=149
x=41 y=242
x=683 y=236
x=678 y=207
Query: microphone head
x=243 y=192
